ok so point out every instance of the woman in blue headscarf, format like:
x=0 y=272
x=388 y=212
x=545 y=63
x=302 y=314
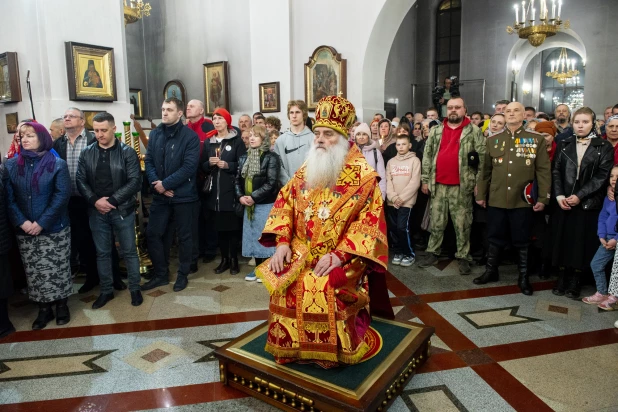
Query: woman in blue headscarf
x=38 y=189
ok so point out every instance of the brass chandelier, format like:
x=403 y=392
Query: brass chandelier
x=526 y=25
x=563 y=69
x=135 y=10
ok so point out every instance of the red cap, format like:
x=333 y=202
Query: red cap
x=225 y=114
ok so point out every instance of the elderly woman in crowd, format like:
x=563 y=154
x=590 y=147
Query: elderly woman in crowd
x=224 y=148
x=611 y=134
x=581 y=168
x=38 y=190
x=256 y=189
x=417 y=132
x=387 y=135
x=374 y=131
x=15 y=143
x=371 y=151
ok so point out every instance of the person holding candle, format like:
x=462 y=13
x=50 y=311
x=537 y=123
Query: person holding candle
x=224 y=148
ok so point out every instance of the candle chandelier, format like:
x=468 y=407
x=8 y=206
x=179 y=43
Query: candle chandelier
x=548 y=24
x=135 y=10
x=563 y=69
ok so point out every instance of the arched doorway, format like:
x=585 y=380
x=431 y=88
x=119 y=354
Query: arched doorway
x=525 y=60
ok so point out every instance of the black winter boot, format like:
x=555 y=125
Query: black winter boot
x=523 y=281
x=63 y=316
x=234 y=268
x=223 y=266
x=491 y=269
x=563 y=278
x=573 y=285
x=46 y=315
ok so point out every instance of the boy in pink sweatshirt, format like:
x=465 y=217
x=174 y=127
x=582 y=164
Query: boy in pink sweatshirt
x=403 y=179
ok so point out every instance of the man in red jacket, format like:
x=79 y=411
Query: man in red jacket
x=204 y=240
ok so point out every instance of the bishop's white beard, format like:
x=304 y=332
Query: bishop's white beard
x=325 y=165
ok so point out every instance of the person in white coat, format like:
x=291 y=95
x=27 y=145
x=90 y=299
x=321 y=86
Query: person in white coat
x=371 y=150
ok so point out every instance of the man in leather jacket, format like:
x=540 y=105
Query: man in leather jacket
x=109 y=177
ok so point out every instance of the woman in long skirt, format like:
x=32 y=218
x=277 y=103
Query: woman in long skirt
x=256 y=190
x=38 y=189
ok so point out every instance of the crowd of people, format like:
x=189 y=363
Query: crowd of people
x=513 y=186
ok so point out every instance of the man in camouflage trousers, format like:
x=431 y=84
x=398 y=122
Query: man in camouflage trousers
x=454 y=153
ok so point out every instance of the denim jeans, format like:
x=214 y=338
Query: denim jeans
x=398 y=225
x=103 y=228
x=164 y=218
x=598 y=263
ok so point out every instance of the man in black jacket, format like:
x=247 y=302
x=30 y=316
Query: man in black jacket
x=69 y=148
x=171 y=165
x=109 y=177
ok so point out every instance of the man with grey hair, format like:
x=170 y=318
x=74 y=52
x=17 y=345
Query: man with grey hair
x=563 y=116
x=244 y=123
x=315 y=254
x=204 y=235
x=500 y=106
x=57 y=128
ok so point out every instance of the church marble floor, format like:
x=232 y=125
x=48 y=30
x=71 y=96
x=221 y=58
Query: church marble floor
x=494 y=349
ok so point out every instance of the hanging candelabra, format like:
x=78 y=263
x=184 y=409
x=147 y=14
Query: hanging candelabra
x=135 y=10
x=564 y=69
x=527 y=27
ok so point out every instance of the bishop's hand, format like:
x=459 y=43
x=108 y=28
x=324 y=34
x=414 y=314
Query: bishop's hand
x=282 y=255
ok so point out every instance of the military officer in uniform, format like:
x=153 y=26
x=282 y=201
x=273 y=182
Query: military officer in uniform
x=514 y=159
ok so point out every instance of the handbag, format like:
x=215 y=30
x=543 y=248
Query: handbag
x=207 y=188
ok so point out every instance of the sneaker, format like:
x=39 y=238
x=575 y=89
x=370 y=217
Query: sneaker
x=609 y=303
x=464 y=267
x=429 y=260
x=616 y=324
x=407 y=261
x=251 y=277
x=259 y=280
x=397 y=259
x=594 y=299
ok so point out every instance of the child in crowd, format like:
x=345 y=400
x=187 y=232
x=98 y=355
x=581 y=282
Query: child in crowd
x=608 y=237
x=273 y=135
x=403 y=179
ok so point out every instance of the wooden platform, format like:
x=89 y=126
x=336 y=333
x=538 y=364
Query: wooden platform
x=371 y=385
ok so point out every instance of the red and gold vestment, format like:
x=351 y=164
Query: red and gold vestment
x=310 y=318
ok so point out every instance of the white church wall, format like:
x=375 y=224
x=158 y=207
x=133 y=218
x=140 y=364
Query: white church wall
x=37 y=30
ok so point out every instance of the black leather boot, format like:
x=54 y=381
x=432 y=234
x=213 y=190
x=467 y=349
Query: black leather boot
x=63 y=316
x=523 y=281
x=223 y=266
x=46 y=315
x=573 y=285
x=491 y=269
x=234 y=268
x=563 y=277
x=545 y=271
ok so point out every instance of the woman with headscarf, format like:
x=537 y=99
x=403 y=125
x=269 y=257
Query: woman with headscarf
x=223 y=148
x=611 y=134
x=581 y=168
x=387 y=137
x=256 y=189
x=371 y=151
x=38 y=190
x=15 y=143
x=374 y=131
